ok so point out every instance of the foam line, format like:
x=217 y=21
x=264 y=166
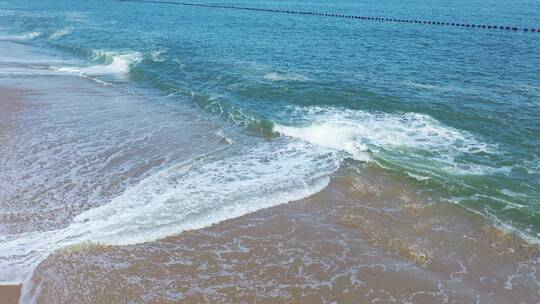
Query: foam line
x=410 y=136
x=187 y=196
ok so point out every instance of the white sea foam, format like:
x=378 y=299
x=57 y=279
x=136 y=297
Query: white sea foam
x=22 y=37
x=190 y=195
x=115 y=64
x=59 y=34
x=274 y=76
x=336 y=135
x=156 y=55
x=362 y=134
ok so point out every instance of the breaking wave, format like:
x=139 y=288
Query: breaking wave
x=21 y=37
x=366 y=136
x=187 y=196
x=59 y=34
x=114 y=64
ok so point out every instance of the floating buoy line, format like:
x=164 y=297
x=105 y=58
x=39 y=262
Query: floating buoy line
x=381 y=19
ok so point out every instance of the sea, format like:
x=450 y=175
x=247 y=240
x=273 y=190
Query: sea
x=170 y=152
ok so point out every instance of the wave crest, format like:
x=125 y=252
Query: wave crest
x=114 y=64
x=22 y=37
x=411 y=136
x=59 y=34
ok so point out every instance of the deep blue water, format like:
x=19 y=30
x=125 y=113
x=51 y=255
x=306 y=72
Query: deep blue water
x=454 y=110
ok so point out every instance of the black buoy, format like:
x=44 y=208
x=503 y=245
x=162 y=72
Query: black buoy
x=255 y=9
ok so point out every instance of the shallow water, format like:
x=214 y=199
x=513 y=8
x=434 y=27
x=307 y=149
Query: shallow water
x=362 y=239
x=131 y=135
x=465 y=100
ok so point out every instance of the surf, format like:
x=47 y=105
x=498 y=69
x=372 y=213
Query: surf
x=190 y=195
x=112 y=63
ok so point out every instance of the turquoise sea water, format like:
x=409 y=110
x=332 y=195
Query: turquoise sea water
x=453 y=110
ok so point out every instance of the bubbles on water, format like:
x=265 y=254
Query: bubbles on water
x=60 y=33
x=157 y=55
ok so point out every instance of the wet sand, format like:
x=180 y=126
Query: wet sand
x=10 y=294
x=361 y=240
x=369 y=237
x=11 y=100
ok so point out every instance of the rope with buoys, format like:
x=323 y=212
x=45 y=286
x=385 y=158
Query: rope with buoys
x=382 y=19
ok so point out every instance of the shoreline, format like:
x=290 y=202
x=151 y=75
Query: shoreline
x=341 y=244
x=11 y=100
x=365 y=235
